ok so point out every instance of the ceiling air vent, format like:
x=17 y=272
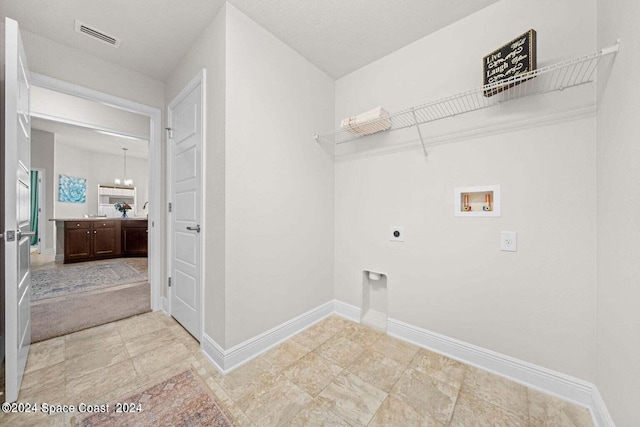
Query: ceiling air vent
x=97 y=34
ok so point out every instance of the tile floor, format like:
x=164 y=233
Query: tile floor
x=335 y=373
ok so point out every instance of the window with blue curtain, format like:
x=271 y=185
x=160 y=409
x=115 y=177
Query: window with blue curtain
x=34 y=206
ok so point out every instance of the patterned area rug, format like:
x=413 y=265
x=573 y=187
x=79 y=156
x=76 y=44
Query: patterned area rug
x=182 y=400
x=71 y=278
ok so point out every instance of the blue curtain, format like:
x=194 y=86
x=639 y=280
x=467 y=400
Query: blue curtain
x=34 y=206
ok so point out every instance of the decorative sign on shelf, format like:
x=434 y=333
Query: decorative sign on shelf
x=513 y=59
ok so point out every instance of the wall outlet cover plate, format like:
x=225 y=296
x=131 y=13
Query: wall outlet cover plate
x=509 y=241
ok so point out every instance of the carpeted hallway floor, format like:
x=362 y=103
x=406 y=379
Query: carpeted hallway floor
x=71 y=297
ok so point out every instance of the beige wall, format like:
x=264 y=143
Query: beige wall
x=71 y=65
x=96 y=168
x=49 y=103
x=618 y=324
x=449 y=276
x=42 y=153
x=279 y=198
x=269 y=187
x=209 y=52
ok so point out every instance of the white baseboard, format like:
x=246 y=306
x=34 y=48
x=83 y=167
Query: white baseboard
x=347 y=311
x=599 y=412
x=227 y=360
x=537 y=377
x=213 y=351
x=525 y=373
x=532 y=376
x=48 y=251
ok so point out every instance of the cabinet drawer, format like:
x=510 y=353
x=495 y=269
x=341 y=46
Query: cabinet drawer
x=134 y=223
x=104 y=224
x=77 y=225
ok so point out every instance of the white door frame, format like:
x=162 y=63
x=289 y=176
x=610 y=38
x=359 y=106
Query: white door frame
x=199 y=79
x=156 y=221
x=42 y=213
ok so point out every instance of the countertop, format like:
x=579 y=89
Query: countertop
x=137 y=218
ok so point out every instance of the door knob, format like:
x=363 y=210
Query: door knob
x=22 y=234
x=196 y=228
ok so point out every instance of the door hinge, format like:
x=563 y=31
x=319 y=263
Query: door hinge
x=169 y=281
x=169 y=132
x=169 y=206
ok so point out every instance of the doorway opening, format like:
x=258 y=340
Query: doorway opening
x=125 y=130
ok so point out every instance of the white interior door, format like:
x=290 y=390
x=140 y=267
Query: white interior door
x=185 y=138
x=17 y=231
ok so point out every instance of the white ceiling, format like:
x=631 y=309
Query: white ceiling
x=338 y=36
x=91 y=140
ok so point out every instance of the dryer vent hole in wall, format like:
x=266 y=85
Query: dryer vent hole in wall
x=396 y=233
x=374 y=300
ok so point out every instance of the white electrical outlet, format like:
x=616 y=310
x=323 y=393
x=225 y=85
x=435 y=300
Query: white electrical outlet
x=396 y=234
x=509 y=241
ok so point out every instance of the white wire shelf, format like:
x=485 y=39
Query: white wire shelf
x=556 y=77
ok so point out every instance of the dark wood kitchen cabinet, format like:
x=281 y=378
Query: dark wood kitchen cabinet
x=106 y=239
x=89 y=240
x=77 y=241
x=135 y=236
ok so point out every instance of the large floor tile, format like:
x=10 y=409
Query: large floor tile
x=430 y=397
x=439 y=367
x=361 y=334
x=316 y=335
x=318 y=414
x=151 y=341
x=285 y=354
x=95 y=360
x=45 y=353
x=147 y=363
x=139 y=326
x=93 y=387
x=471 y=411
x=352 y=399
x=313 y=373
x=400 y=351
x=93 y=339
x=340 y=350
x=545 y=410
x=274 y=405
x=248 y=378
x=496 y=390
x=377 y=370
x=44 y=385
x=394 y=412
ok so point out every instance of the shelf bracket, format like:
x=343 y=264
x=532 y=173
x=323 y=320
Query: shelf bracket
x=415 y=119
x=324 y=146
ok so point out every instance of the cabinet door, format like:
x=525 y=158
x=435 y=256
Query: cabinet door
x=135 y=241
x=104 y=241
x=77 y=244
